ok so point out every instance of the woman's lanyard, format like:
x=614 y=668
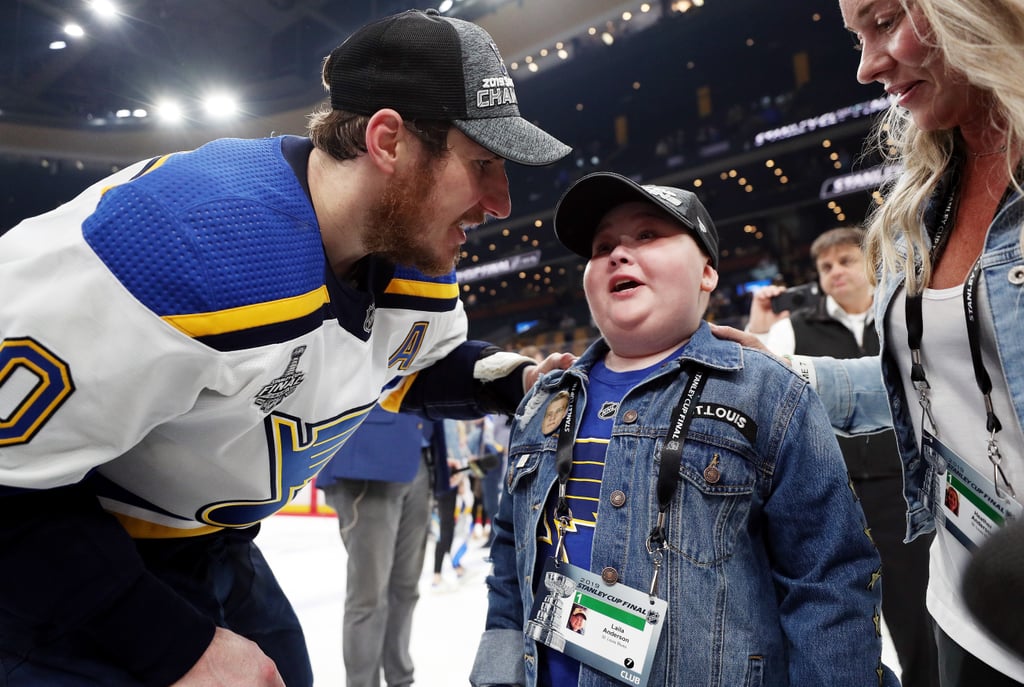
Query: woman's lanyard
x=668 y=472
x=915 y=330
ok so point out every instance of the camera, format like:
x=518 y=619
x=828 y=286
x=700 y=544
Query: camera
x=482 y=465
x=796 y=298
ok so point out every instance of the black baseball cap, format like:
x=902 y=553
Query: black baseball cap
x=592 y=197
x=425 y=66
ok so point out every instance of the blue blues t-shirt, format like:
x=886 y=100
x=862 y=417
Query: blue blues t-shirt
x=583 y=492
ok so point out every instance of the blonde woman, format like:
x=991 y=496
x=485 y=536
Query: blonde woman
x=945 y=249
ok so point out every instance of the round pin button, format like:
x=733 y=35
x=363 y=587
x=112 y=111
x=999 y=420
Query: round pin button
x=1016 y=275
x=630 y=416
x=610 y=575
x=618 y=498
x=555 y=412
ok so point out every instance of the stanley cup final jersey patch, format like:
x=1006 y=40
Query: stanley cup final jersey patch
x=281 y=387
x=742 y=422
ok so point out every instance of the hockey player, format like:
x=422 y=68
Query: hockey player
x=185 y=344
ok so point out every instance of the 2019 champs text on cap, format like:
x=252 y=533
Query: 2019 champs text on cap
x=425 y=66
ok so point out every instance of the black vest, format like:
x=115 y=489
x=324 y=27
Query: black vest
x=817 y=333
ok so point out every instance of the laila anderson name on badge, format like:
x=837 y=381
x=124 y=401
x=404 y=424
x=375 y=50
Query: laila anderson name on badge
x=611 y=628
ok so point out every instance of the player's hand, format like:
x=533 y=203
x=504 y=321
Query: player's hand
x=555 y=361
x=762 y=317
x=231 y=660
x=744 y=339
x=455 y=472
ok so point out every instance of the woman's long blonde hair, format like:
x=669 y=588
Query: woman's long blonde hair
x=984 y=40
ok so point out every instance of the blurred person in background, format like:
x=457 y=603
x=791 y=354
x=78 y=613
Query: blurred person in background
x=486 y=459
x=379 y=485
x=493 y=480
x=452 y=482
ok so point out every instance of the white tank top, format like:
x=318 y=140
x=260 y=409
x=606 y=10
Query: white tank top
x=959 y=413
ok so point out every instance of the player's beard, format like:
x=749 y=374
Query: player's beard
x=398 y=220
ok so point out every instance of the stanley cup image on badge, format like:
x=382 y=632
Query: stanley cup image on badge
x=542 y=627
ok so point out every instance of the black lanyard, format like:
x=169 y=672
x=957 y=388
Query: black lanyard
x=915 y=322
x=984 y=382
x=915 y=331
x=563 y=464
x=672 y=452
x=668 y=472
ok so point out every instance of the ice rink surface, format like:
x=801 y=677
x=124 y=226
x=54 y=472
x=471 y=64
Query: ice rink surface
x=308 y=558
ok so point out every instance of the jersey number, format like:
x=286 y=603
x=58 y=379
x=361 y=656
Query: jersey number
x=33 y=384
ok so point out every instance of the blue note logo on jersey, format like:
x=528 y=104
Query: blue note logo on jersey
x=297 y=450
x=281 y=387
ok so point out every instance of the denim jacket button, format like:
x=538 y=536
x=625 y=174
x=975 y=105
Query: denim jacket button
x=610 y=575
x=1016 y=275
x=630 y=416
x=618 y=498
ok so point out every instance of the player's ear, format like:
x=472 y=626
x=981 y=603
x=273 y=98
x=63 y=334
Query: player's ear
x=385 y=139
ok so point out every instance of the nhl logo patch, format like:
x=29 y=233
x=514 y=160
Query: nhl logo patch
x=608 y=410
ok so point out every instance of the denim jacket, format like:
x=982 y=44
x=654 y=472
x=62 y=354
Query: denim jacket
x=860 y=401
x=770 y=576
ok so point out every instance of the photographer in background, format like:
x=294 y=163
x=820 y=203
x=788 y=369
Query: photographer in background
x=836 y=326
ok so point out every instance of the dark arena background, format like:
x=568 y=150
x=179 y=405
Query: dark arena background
x=751 y=104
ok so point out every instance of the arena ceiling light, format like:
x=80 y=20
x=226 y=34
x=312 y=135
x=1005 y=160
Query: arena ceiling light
x=104 y=9
x=220 y=105
x=169 y=111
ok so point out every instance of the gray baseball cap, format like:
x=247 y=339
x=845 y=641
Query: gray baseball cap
x=426 y=66
x=589 y=199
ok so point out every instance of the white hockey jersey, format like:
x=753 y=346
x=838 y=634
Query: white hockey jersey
x=174 y=335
